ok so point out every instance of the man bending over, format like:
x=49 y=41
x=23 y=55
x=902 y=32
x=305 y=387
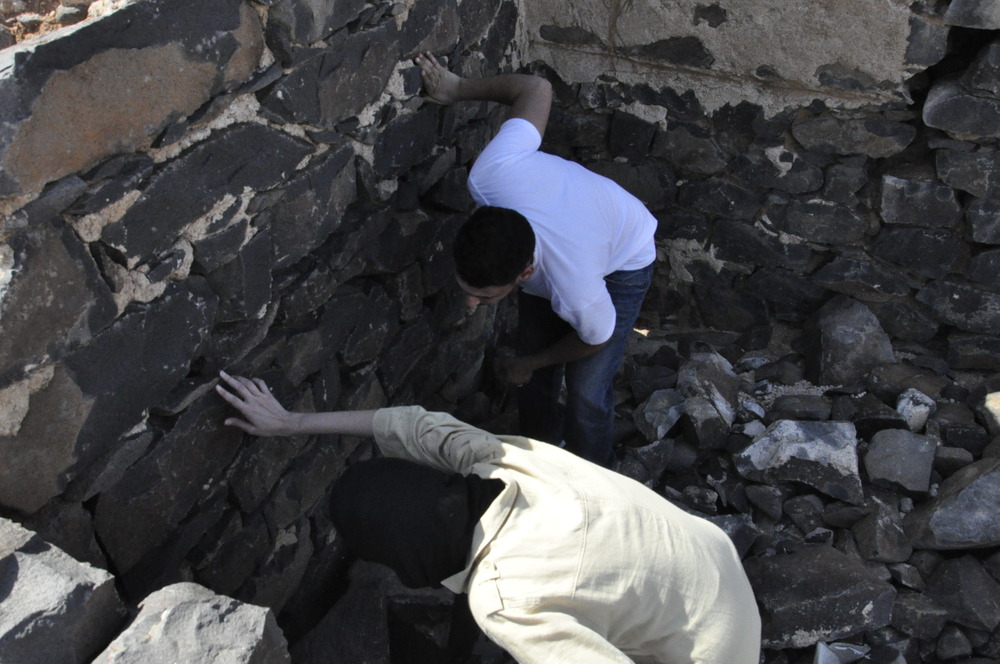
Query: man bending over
x=562 y=560
x=579 y=247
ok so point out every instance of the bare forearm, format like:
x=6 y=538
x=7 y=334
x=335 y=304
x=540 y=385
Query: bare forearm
x=504 y=88
x=566 y=349
x=530 y=97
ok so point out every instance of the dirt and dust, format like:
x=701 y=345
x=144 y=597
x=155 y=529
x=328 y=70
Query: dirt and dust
x=23 y=19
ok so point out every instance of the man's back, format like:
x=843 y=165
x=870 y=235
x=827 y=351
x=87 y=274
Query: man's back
x=585 y=542
x=580 y=217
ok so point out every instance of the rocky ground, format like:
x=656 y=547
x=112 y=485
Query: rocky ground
x=23 y=19
x=858 y=481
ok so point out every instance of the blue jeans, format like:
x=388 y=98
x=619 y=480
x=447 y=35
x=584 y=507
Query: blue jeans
x=588 y=424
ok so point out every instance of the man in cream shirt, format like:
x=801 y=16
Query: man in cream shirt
x=569 y=562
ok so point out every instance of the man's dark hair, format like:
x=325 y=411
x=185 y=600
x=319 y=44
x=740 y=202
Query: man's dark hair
x=493 y=247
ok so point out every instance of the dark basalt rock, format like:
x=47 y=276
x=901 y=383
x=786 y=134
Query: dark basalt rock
x=823 y=222
x=963 y=305
x=246 y=156
x=54 y=301
x=954 y=109
x=872 y=136
x=984 y=218
x=976 y=172
x=981 y=14
x=960 y=517
x=932 y=253
x=918 y=203
x=817 y=594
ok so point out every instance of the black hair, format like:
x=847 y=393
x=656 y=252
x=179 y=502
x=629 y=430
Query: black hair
x=493 y=247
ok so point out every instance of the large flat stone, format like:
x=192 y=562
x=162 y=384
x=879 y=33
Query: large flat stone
x=226 y=630
x=817 y=594
x=112 y=85
x=53 y=608
x=961 y=516
x=55 y=298
x=244 y=156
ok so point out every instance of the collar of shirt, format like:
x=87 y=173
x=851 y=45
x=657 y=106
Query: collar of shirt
x=486 y=530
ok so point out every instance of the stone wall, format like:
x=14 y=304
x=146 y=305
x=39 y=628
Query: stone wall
x=258 y=187
x=880 y=186
x=249 y=186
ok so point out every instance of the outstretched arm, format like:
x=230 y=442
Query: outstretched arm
x=264 y=416
x=530 y=97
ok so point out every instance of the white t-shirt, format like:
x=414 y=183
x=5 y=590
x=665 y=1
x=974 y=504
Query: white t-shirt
x=586 y=226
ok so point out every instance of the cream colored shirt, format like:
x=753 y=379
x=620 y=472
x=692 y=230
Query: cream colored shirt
x=575 y=563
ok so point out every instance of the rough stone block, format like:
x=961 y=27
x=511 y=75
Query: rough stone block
x=244 y=156
x=905 y=319
x=984 y=218
x=308 y=21
x=377 y=321
x=163 y=631
x=406 y=141
x=974 y=351
x=956 y=110
x=917 y=615
x=101 y=391
x=724 y=308
x=961 y=516
x=918 y=203
x=772 y=165
x=976 y=172
x=846 y=341
x=55 y=298
x=984 y=74
x=985 y=269
x=746 y=243
x=979 y=14
x=475 y=17
x=53 y=609
x=244 y=284
x=689 y=148
x=125 y=77
x=336 y=83
x=930 y=252
x=312 y=206
x=431 y=25
x=630 y=136
x=817 y=594
x=964 y=587
x=872 y=136
x=720 y=198
x=823 y=222
x=405 y=352
x=652 y=184
x=963 y=305
x=863 y=278
x=880 y=536
x=302 y=488
x=164 y=487
x=928 y=41
x=791 y=296
x=658 y=414
x=820 y=454
x=356 y=629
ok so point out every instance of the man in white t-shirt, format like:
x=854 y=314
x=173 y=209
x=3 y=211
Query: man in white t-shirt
x=579 y=247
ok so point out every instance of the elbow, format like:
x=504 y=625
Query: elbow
x=542 y=87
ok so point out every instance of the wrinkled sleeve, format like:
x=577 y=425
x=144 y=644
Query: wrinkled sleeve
x=434 y=439
x=490 y=178
x=543 y=637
